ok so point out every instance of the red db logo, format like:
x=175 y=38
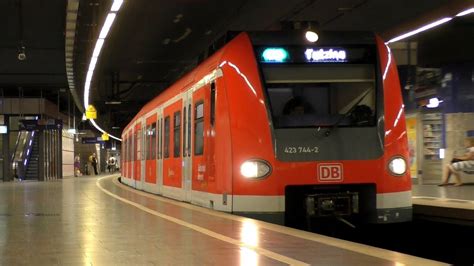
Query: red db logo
x=330 y=172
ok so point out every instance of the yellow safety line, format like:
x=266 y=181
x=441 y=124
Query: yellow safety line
x=400 y=258
x=205 y=231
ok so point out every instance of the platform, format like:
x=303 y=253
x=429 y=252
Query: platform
x=98 y=221
x=448 y=203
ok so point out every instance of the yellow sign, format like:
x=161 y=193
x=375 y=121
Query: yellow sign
x=105 y=137
x=411 y=134
x=91 y=112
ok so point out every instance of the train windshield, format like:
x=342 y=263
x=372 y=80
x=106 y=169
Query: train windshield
x=321 y=95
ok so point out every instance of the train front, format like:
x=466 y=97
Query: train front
x=337 y=127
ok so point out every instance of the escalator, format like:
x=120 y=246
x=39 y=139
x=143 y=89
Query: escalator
x=25 y=158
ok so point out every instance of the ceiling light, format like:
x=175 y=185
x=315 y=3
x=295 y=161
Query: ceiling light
x=107 y=24
x=311 y=36
x=98 y=47
x=92 y=64
x=113 y=102
x=21 y=53
x=465 y=12
x=116 y=5
x=426 y=27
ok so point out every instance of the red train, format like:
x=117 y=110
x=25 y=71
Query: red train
x=270 y=126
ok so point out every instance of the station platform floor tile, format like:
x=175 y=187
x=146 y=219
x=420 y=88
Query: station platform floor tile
x=98 y=221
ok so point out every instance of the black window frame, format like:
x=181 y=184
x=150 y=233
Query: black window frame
x=213 y=103
x=153 y=145
x=166 y=147
x=177 y=134
x=196 y=122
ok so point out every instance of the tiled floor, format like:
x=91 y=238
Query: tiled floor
x=83 y=221
x=465 y=192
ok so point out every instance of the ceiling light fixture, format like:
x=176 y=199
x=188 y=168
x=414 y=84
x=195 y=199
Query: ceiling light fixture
x=107 y=25
x=465 y=12
x=21 y=53
x=421 y=29
x=311 y=34
x=116 y=5
x=431 y=25
x=113 y=102
x=95 y=56
x=98 y=47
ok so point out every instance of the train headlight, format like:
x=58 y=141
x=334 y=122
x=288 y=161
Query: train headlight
x=397 y=166
x=255 y=169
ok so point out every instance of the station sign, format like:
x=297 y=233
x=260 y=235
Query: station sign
x=91 y=112
x=91 y=140
x=41 y=124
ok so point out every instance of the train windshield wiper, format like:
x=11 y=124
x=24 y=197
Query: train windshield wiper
x=328 y=132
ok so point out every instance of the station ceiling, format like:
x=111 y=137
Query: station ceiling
x=152 y=43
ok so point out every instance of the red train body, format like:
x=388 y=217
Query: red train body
x=271 y=126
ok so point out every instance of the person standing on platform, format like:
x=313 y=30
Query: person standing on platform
x=77 y=165
x=111 y=163
x=94 y=163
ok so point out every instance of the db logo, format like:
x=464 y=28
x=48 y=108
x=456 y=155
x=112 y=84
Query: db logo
x=330 y=172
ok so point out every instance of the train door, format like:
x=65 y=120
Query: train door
x=159 y=152
x=150 y=153
x=186 y=154
x=172 y=162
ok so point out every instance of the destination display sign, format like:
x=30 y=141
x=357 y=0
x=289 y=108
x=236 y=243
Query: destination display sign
x=316 y=54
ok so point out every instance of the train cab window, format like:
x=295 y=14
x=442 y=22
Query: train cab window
x=199 y=129
x=177 y=134
x=167 y=138
x=153 y=141
x=321 y=95
x=213 y=103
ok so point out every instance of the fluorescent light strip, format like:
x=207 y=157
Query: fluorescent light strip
x=98 y=47
x=95 y=56
x=103 y=131
x=108 y=23
x=116 y=5
x=426 y=27
x=465 y=12
x=92 y=64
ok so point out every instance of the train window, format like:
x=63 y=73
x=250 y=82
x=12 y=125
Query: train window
x=213 y=103
x=177 y=134
x=124 y=149
x=132 y=145
x=321 y=95
x=184 y=131
x=189 y=131
x=160 y=137
x=199 y=129
x=147 y=142
x=153 y=141
x=167 y=137
x=135 y=146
